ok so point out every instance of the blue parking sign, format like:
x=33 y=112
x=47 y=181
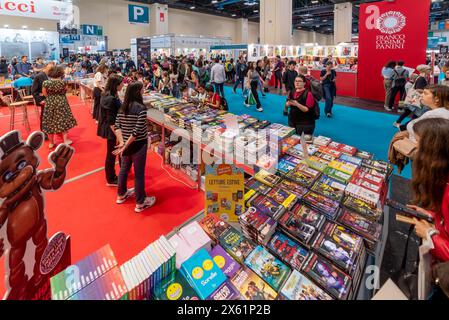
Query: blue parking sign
x=138 y=14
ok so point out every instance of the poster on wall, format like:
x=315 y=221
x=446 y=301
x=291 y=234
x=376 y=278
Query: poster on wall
x=283 y=51
x=263 y=51
x=270 y=51
x=320 y=51
x=144 y=48
x=390 y=31
x=225 y=191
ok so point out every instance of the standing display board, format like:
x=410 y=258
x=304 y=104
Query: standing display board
x=144 y=48
x=390 y=31
x=225 y=188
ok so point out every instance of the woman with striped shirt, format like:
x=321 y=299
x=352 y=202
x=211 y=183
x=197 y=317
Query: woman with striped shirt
x=132 y=136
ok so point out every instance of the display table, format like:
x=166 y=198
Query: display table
x=346 y=82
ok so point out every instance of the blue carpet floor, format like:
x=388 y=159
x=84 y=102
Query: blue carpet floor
x=366 y=130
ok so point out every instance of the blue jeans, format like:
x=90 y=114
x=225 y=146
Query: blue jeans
x=219 y=88
x=329 y=97
x=239 y=81
x=139 y=160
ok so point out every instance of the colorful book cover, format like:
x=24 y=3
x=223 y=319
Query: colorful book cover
x=226 y=292
x=175 y=287
x=267 y=178
x=203 y=274
x=358 y=192
x=338 y=175
x=322 y=141
x=283 y=197
x=195 y=236
x=325 y=156
x=293 y=187
x=361 y=225
x=284 y=166
x=80 y=275
x=364 y=155
x=361 y=207
x=304 y=168
x=252 y=287
x=222 y=259
x=236 y=245
x=268 y=267
x=324 y=205
x=214 y=226
x=373 y=187
x=345 y=167
x=329 y=188
x=344 y=237
x=332 y=152
x=268 y=206
x=316 y=165
x=348 y=150
x=294 y=227
x=299 y=288
x=287 y=250
x=301 y=178
x=341 y=256
x=292 y=159
x=306 y=215
x=109 y=286
x=351 y=159
x=257 y=186
x=374 y=179
x=329 y=277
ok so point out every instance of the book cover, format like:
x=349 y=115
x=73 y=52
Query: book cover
x=203 y=274
x=267 y=178
x=253 y=184
x=287 y=250
x=293 y=187
x=330 y=151
x=301 y=178
x=348 y=150
x=268 y=267
x=341 y=256
x=343 y=237
x=326 y=206
x=337 y=175
x=236 y=245
x=325 y=156
x=214 y=226
x=361 y=207
x=306 y=215
x=298 y=287
x=374 y=179
x=358 y=192
x=268 y=206
x=226 y=292
x=329 y=277
x=329 y=188
x=283 y=197
x=292 y=159
x=298 y=230
x=322 y=141
x=195 y=236
x=109 y=286
x=345 y=167
x=361 y=225
x=351 y=159
x=373 y=187
x=175 y=287
x=81 y=274
x=252 y=287
x=222 y=259
x=284 y=166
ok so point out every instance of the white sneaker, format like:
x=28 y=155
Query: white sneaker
x=129 y=193
x=396 y=125
x=259 y=109
x=247 y=105
x=148 y=203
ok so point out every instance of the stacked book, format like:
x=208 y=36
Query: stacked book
x=257 y=226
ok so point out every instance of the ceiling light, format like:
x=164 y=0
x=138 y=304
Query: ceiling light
x=314 y=1
x=192 y=7
x=24 y=27
x=214 y=1
x=233 y=15
x=6 y=26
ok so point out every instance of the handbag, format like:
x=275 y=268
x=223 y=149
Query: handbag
x=413 y=97
x=406 y=147
x=441 y=278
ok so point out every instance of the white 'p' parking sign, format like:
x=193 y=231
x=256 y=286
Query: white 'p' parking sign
x=138 y=14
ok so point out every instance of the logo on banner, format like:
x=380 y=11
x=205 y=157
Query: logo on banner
x=390 y=24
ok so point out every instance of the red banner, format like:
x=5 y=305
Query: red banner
x=394 y=30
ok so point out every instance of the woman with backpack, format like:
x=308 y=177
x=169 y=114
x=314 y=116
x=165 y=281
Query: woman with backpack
x=165 y=85
x=400 y=76
x=301 y=103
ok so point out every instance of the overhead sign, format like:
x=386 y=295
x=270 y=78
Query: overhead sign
x=389 y=31
x=91 y=30
x=138 y=14
x=40 y=9
x=69 y=38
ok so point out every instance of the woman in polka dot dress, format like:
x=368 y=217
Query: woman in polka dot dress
x=57 y=117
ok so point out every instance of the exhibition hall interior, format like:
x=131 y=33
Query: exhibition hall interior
x=227 y=150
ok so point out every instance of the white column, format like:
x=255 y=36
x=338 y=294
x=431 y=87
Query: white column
x=276 y=20
x=242 y=31
x=158 y=19
x=343 y=22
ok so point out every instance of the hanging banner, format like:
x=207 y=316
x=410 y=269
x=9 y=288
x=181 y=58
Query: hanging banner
x=144 y=48
x=40 y=9
x=225 y=187
x=390 y=31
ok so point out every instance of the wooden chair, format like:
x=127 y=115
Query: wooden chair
x=13 y=106
x=29 y=100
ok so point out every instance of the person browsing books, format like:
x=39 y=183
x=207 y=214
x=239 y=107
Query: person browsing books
x=431 y=184
x=301 y=103
x=132 y=135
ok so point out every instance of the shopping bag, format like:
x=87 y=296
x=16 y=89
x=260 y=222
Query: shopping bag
x=251 y=99
x=413 y=98
x=246 y=93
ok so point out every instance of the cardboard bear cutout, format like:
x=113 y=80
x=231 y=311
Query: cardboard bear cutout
x=23 y=224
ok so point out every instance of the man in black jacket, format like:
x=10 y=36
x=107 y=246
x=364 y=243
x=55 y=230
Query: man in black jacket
x=240 y=70
x=289 y=80
x=36 y=88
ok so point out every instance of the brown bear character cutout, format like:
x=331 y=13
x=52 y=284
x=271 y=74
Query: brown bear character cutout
x=23 y=225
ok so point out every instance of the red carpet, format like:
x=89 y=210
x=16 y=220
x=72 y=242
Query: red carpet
x=86 y=209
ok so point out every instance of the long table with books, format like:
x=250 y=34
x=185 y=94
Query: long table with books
x=314 y=225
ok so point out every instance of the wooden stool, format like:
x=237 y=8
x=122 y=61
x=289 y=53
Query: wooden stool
x=29 y=99
x=22 y=105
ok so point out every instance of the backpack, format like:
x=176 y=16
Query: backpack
x=401 y=81
x=316 y=106
x=316 y=88
x=229 y=67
